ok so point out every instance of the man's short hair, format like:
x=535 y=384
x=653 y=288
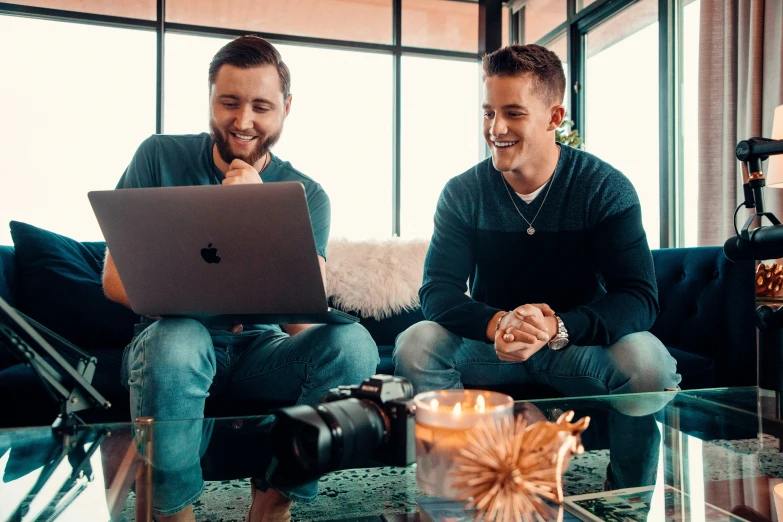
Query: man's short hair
x=518 y=60
x=250 y=51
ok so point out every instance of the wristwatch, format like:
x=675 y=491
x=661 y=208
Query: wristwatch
x=560 y=340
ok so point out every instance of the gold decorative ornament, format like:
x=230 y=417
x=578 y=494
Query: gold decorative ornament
x=509 y=469
x=769 y=280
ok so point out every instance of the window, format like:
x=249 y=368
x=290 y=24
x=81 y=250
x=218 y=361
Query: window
x=83 y=100
x=543 y=16
x=506 y=35
x=621 y=109
x=142 y=9
x=186 y=94
x=690 y=121
x=441 y=134
x=559 y=48
x=339 y=131
x=440 y=24
x=361 y=21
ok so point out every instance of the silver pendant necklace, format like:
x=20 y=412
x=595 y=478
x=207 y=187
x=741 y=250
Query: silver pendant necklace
x=530 y=229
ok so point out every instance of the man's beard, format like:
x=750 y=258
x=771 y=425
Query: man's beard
x=265 y=143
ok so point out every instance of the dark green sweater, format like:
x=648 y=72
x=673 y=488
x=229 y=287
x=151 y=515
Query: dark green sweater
x=588 y=259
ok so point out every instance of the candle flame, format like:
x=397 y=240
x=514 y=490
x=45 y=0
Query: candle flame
x=434 y=404
x=480 y=406
x=457 y=410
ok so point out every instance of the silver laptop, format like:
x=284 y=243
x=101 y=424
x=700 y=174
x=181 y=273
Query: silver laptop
x=219 y=254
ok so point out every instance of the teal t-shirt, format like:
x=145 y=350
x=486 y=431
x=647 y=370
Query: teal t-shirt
x=170 y=161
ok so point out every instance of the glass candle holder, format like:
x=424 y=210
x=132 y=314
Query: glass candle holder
x=443 y=420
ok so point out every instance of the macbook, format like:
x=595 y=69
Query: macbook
x=219 y=254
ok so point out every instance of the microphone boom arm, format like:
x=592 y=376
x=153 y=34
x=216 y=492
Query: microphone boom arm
x=751 y=153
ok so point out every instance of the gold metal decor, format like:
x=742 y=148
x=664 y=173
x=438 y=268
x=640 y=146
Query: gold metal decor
x=508 y=469
x=769 y=280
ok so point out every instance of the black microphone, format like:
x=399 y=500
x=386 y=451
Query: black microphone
x=758 y=148
x=762 y=243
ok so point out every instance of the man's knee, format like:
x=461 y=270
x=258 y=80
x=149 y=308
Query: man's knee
x=416 y=346
x=642 y=364
x=174 y=345
x=351 y=349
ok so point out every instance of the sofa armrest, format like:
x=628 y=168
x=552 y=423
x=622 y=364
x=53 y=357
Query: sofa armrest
x=7 y=274
x=707 y=308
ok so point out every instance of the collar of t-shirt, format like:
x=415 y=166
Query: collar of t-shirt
x=527 y=198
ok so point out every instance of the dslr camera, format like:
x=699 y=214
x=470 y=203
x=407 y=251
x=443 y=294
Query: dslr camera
x=369 y=423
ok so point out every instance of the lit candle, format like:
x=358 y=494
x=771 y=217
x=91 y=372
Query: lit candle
x=443 y=419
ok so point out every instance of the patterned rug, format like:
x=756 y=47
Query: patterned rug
x=352 y=494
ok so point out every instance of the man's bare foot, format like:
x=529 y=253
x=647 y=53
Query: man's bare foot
x=186 y=515
x=268 y=506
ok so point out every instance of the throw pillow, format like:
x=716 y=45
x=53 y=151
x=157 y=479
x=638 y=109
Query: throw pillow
x=59 y=285
x=376 y=279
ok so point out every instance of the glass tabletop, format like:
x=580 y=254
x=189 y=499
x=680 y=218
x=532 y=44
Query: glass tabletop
x=689 y=455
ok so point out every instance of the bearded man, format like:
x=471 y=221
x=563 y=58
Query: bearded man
x=172 y=365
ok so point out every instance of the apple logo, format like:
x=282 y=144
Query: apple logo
x=210 y=254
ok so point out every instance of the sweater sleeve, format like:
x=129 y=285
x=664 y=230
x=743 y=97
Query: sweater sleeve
x=449 y=263
x=623 y=259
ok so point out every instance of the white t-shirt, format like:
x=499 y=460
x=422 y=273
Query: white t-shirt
x=527 y=198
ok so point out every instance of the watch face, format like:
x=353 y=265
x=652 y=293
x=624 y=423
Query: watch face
x=558 y=344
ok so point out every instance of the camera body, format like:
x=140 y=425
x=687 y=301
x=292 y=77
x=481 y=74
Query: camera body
x=393 y=397
x=353 y=426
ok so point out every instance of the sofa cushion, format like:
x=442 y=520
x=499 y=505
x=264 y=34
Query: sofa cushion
x=707 y=308
x=385 y=331
x=59 y=285
x=33 y=404
x=386 y=363
x=697 y=371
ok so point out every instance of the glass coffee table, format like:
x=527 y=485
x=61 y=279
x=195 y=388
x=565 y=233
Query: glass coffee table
x=689 y=455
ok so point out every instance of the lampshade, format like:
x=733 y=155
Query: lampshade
x=774 y=172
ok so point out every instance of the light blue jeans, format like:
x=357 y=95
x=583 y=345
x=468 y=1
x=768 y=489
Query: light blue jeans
x=172 y=366
x=433 y=358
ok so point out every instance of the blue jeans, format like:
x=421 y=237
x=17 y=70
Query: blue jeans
x=173 y=365
x=433 y=358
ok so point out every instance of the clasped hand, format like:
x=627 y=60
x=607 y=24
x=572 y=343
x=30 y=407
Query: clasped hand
x=240 y=173
x=524 y=331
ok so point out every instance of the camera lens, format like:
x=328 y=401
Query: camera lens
x=358 y=428
x=309 y=442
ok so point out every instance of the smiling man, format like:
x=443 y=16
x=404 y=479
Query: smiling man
x=172 y=365
x=550 y=239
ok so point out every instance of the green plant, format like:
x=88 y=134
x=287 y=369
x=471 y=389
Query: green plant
x=568 y=135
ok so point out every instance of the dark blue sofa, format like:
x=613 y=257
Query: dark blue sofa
x=706 y=321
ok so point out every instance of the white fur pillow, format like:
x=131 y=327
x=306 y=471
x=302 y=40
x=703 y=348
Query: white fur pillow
x=375 y=278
